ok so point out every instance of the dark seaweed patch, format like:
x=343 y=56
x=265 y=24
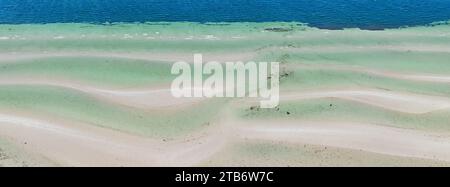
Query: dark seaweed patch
x=278 y=29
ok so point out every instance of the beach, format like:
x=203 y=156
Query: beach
x=79 y=94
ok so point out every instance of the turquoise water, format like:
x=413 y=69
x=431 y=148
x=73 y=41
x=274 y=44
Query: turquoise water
x=330 y=14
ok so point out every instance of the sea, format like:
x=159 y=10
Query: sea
x=325 y=14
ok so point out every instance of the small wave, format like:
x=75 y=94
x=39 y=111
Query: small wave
x=58 y=37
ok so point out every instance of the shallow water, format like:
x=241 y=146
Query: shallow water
x=92 y=76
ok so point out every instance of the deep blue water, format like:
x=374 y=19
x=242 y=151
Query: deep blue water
x=331 y=14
